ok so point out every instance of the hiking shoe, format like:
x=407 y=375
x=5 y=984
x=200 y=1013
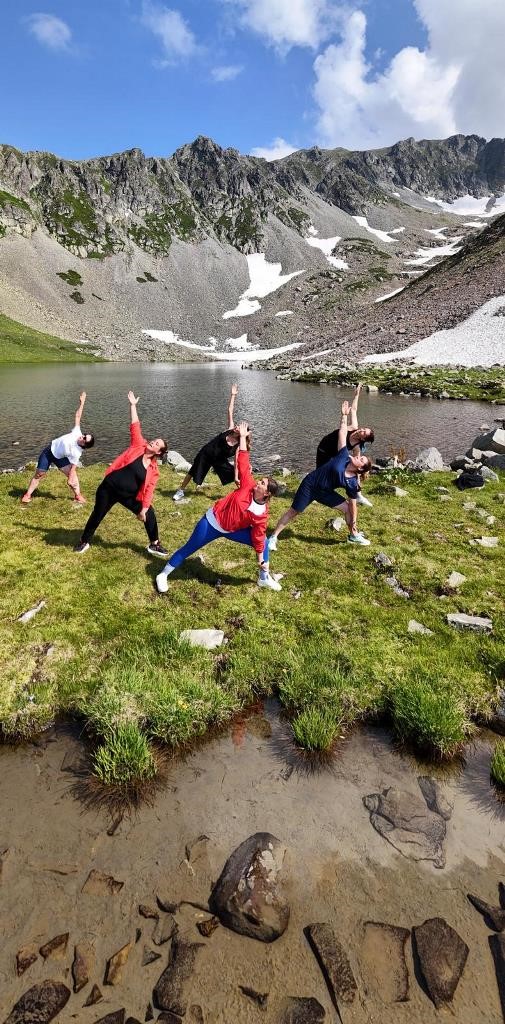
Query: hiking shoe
x=361 y=500
x=157 y=549
x=81 y=547
x=178 y=495
x=162 y=583
x=269 y=582
x=272 y=543
x=80 y=499
x=26 y=499
x=358 y=538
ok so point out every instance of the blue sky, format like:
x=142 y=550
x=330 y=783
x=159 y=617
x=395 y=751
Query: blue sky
x=82 y=79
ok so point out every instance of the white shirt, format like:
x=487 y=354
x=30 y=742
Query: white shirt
x=256 y=508
x=66 y=447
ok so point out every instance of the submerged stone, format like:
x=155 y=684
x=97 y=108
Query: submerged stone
x=404 y=820
x=260 y=998
x=493 y=916
x=114 y=969
x=25 y=957
x=497 y=947
x=56 y=947
x=383 y=951
x=247 y=896
x=164 y=929
x=147 y=911
x=434 y=796
x=208 y=926
x=149 y=956
x=40 y=1004
x=99 y=884
x=302 y=1010
x=334 y=963
x=170 y=990
x=116 y=1017
x=94 y=997
x=442 y=957
x=83 y=964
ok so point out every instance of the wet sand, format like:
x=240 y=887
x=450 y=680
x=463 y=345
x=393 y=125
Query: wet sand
x=337 y=869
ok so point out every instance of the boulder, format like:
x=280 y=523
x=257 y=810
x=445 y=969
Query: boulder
x=476 y=623
x=493 y=441
x=40 y=1004
x=372 y=389
x=334 y=963
x=177 y=462
x=398 y=492
x=489 y=475
x=170 y=990
x=206 y=638
x=442 y=956
x=383 y=952
x=485 y=542
x=301 y=1010
x=406 y=821
x=430 y=459
x=493 y=461
x=247 y=896
x=455 y=580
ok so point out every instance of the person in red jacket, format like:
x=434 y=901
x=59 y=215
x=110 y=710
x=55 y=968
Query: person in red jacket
x=241 y=516
x=130 y=481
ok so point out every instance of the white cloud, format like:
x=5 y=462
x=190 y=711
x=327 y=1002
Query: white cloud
x=456 y=84
x=276 y=151
x=226 y=72
x=50 y=31
x=177 y=39
x=287 y=23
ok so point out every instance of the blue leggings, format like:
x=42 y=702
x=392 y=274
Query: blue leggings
x=203 y=534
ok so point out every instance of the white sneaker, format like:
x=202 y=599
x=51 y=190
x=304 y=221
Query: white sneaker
x=272 y=544
x=269 y=583
x=162 y=583
x=358 y=538
x=361 y=500
x=178 y=495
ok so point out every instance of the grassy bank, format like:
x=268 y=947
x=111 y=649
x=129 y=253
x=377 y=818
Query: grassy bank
x=484 y=385
x=334 y=645
x=20 y=344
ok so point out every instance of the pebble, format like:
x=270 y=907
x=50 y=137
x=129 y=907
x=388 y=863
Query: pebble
x=486 y=542
x=206 y=638
x=475 y=623
x=417 y=627
x=456 y=579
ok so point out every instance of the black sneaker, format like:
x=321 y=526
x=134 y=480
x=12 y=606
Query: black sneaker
x=157 y=549
x=81 y=547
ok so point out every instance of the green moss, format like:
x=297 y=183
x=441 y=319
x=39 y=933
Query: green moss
x=149 y=277
x=72 y=277
x=71 y=217
x=77 y=297
x=498 y=764
x=7 y=199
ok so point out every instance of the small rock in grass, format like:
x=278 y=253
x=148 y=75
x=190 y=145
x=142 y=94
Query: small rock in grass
x=27 y=616
x=337 y=523
x=476 y=623
x=25 y=957
x=469 y=505
x=285 y=472
x=391 y=581
x=115 y=964
x=455 y=580
x=444 y=497
x=442 y=490
x=56 y=947
x=206 y=638
x=83 y=964
x=40 y=1004
x=442 y=957
x=398 y=492
x=417 y=627
x=164 y=929
x=383 y=561
x=334 y=963
x=485 y=542
x=500 y=497
x=94 y=997
x=489 y=474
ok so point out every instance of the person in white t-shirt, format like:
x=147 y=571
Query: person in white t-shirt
x=65 y=453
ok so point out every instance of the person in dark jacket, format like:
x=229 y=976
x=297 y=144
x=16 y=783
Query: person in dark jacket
x=216 y=455
x=357 y=440
x=130 y=481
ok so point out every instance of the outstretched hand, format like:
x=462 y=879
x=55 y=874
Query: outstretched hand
x=131 y=398
x=82 y=397
x=234 y=390
x=243 y=428
x=345 y=408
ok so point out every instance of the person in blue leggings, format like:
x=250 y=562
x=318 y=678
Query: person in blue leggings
x=241 y=516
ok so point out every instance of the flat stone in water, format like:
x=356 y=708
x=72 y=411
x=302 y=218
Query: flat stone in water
x=115 y=965
x=25 y=957
x=383 y=951
x=164 y=929
x=405 y=821
x=247 y=896
x=100 y=884
x=207 y=638
x=208 y=926
x=83 y=964
x=40 y=1004
x=435 y=797
x=497 y=947
x=55 y=948
x=149 y=956
x=476 y=623
x=169 y=992
x=334 y=963
x=493 y=916
x=302 y=1010
x=94 y=997
x=146 y=911
x=116 y=1017
x=442 y=957
x=260 y=998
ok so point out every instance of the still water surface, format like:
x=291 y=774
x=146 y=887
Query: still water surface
x=187 y=405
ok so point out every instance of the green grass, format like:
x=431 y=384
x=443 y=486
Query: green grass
x=339 y=654
x=498 y=764
x=71 y=277
x=20 y=344
x=124 y=757
x=7 y=199
x=481 y=384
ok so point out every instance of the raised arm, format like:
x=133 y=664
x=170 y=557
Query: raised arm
x=231 y=406
x=353 y=418
x=342 y=430
x=78 y=412
x=133 y=407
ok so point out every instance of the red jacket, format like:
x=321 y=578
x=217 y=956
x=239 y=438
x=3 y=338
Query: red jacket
x=232 y=512
x=136 y=449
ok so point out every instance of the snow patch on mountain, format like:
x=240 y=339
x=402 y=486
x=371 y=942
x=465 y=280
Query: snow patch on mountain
x=264 y=278
x=472 y=205
x=384 y=236
x=423 y=256
x=326 y=245
x=243 y=351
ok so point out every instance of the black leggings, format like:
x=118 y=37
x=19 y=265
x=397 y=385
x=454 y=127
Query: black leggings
x=106 y=497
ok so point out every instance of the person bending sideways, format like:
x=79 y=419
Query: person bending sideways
x=241 y=516
x=357 y=439
x=130 y=481
x=215 y=455
x=65 y=453
x=343 y=470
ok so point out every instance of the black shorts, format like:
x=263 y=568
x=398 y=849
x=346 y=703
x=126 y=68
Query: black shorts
x=307 y=493
x=202 y=464
x=323 y=456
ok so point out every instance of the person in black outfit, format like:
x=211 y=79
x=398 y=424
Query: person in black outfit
x=357 y=439
x=216 y=455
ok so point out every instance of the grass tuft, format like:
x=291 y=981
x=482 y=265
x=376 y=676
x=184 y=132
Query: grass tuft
x=315 y=729
x=124 y=758
x=498 y=764
x=434 y=720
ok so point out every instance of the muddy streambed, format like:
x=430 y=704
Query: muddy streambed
x=338 y=869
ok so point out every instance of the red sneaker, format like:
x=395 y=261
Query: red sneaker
x=26 y=499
